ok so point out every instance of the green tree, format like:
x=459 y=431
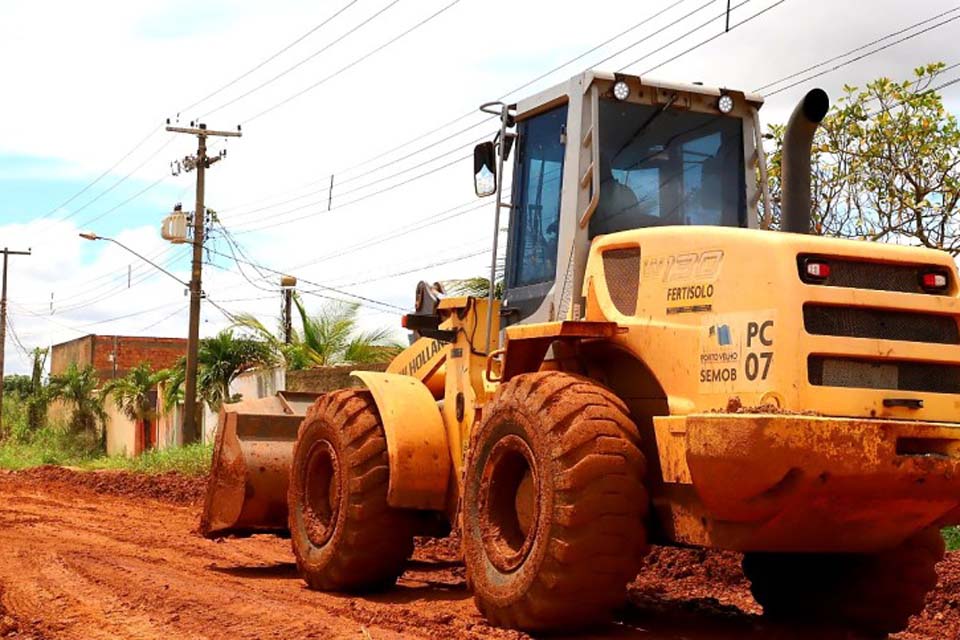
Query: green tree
x=131 y=393
x=220 y=360
x=77 y=387
x=886 y=165
x=331 y=336
x=17 y=386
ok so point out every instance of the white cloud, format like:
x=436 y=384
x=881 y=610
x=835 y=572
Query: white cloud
x=93 y=81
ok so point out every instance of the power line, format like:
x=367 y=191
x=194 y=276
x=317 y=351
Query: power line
x=361 y=198
x=520 y=87
x=315 y=284
x=102 y=175
x=303 y=61
x=426 y=147
x=271 y=58
x=125 y=202
x=107 y=289
x=114 y=274
x=163 y=319
x=716 y=35
x=410 y=270
x=116 y=184
x=862 y=56
x=854 y=50
x=430 y=220
x=355 y=62
x=327 y=201
x=553 y=70
x=703 y=25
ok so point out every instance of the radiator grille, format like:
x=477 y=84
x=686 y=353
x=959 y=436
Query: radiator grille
x=621 y=270
x=855 y=274
x=893 y=375
x=883 y=324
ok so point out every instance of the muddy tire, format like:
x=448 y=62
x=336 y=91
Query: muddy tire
x=872 y=593
x=554 y=504
x=345 y=537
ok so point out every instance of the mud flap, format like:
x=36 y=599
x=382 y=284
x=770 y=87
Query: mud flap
x=252 y=454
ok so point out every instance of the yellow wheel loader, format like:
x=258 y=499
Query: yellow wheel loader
x=659 y=370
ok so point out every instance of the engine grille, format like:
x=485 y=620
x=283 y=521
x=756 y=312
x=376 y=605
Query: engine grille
x=883 y=324
x=894 y=375
x=621 y=270
x=879 y=276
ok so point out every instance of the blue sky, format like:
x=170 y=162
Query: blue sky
x=87 y=88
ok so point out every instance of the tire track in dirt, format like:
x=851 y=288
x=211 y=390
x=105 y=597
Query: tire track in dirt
x=78 y=564
x=108 y=567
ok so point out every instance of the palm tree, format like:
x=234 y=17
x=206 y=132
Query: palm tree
x=220 y=360
x=479 y=286
x=39 y=395
x=78 y=387
x=331 y=336
x=131 y=394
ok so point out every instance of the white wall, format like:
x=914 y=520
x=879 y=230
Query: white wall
x=260 y=383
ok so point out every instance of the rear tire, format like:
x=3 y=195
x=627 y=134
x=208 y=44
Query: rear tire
x=345 y=537
x=554 y=504
x=873 y=593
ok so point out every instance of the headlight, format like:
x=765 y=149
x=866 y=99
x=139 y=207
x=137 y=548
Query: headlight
x=725 y=104
x=621 y=90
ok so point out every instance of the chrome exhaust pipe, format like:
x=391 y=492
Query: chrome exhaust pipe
x=796 y=203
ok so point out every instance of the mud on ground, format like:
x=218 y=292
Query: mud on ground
x=117 y=555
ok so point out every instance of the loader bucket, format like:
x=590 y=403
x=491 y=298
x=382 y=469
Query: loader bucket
x=247 y=488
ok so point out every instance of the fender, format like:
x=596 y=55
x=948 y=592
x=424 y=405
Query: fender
x=419 y=457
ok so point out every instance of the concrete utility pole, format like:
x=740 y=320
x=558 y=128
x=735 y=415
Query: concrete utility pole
x=3 y=320
x=201 y=163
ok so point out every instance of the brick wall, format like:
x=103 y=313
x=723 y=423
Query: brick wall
x=79 y=351
x=130 y=351
x=324 y=379
x=160 y=353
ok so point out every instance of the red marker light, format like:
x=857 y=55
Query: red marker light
x=818 y=270
x=934 y=280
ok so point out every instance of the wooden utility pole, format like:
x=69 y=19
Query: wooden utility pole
x=287 y=283
x=3 y=320
x=201 y=163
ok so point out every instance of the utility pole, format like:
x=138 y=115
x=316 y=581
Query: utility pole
x=287 y=283
x=3 y=320
x=201 y=163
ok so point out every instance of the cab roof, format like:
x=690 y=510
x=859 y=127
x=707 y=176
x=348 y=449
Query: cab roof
x=586 y=79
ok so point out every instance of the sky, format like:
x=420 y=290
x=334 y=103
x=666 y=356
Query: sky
x=88 y=87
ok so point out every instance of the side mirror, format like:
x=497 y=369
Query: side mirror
x=484 y=171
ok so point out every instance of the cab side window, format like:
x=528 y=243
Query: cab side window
x=536 y=198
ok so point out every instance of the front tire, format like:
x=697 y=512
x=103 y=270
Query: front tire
x=554 y=504
x=345 y=537
x=874 y=593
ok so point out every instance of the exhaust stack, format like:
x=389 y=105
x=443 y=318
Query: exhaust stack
x=797 y=142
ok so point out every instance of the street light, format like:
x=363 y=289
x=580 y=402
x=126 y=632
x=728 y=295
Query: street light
x=90 y=235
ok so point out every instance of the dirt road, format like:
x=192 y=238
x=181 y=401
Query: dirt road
x=80 y=560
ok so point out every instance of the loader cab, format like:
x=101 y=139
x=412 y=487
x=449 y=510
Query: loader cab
x=604 y=153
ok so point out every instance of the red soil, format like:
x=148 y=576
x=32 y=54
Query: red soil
x=112 y=554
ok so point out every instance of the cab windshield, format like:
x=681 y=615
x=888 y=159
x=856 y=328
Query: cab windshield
x=668 y=167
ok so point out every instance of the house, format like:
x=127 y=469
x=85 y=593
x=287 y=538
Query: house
x=112 y=357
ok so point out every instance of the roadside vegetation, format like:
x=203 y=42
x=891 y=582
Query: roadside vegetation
x=59 y=444
x=191 y=459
